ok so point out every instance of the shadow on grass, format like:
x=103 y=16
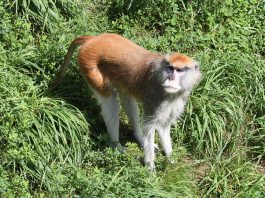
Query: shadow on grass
x=75 y=91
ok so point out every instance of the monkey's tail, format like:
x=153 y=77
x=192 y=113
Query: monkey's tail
x=61 y=73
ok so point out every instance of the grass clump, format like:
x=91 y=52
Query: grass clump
x=232 y=177
x=37 y=131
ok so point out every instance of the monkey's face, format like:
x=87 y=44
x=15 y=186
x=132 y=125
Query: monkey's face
x=180 y=73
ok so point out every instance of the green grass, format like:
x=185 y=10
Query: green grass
x=55 y=144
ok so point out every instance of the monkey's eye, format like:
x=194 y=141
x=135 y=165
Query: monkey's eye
x=182 y=69
x=171 y=68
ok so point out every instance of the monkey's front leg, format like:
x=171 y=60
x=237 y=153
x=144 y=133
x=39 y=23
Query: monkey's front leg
x=165 y=140
x=149 y=148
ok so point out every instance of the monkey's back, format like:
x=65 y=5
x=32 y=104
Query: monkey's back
x=109 y=60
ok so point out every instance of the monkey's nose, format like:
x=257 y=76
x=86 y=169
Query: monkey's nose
x=171 y=77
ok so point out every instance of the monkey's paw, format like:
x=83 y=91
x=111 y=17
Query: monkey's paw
x=151 y=166
x=170 y=160
x=119 y=147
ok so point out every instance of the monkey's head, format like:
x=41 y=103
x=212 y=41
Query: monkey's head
x=179 y=73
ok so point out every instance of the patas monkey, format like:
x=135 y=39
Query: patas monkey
x=114 y=66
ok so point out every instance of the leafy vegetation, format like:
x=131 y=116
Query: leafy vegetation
x=55 y=144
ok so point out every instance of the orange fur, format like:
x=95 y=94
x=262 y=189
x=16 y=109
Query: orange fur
x=180 y=60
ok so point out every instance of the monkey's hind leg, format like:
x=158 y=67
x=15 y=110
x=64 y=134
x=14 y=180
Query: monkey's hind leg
x=110 y=111
x=131 y=109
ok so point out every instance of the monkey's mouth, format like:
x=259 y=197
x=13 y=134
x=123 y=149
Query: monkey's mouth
x=172 y=86
x=172 y=89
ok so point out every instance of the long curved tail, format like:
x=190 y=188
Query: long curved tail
x=61 y=73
